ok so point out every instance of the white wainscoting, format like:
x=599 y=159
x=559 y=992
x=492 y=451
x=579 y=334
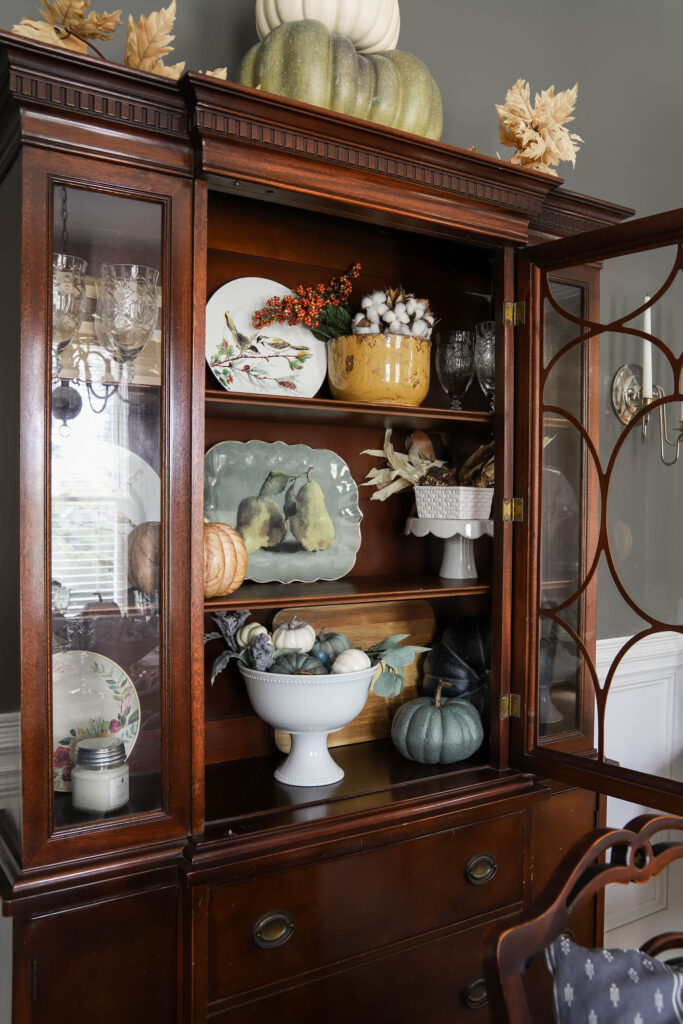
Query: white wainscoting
x=644 y=731
x=10 y=745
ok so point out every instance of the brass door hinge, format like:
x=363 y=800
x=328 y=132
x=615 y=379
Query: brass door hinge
x=510 y=705
x=514 y=314
x=513 y=510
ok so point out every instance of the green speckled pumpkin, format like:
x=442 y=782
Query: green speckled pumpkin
x=303 y=61
x=298 y=665
x=437 y=731
x=328 y=645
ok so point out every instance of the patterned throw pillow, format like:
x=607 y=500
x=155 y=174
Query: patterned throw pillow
x=612 y=986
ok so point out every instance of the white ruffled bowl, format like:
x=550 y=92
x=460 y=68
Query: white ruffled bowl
x=308 y=707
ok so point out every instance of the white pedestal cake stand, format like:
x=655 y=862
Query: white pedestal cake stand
x=458 y=536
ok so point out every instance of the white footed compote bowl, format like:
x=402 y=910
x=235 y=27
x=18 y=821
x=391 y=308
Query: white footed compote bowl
x=308 y=707
x=458 y=536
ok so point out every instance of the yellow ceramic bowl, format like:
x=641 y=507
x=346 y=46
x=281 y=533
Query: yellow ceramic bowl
x=387 y=369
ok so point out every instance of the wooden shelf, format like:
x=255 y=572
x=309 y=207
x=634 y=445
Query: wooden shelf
x=329 y=410
x=246 y=795
x=145 y=797
x=351 y=590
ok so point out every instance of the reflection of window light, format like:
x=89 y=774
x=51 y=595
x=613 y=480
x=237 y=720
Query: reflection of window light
x=98 y=496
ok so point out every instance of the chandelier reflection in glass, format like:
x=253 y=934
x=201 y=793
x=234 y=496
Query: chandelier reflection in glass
x=68 y=303
x=126 y=314
x=634 y=390
x=124 y=320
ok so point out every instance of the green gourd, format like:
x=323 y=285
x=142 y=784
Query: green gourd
x=437 y=731
x=298 y=664
x=328 y=645
x=303 y=61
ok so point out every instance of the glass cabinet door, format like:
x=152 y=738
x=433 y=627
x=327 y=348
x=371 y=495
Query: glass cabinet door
x=600 y=552
x=107 y=530
x=568 y=494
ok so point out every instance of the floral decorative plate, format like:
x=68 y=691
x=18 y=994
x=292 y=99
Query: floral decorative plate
x=277 y=360
x=296 y=508
x=91 y=696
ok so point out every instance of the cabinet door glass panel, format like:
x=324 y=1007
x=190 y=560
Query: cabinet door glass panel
x=106 y=500
x=568 y=490
x=610 y=601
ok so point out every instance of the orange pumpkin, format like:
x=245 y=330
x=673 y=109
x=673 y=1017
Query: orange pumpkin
x=143 y=557
x=225 y=560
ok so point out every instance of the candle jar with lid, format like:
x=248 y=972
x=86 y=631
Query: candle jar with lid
x=100 y=776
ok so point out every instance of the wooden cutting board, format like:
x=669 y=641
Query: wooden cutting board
x=365 y=625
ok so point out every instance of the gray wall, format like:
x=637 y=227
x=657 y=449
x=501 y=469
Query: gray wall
x=625 y=55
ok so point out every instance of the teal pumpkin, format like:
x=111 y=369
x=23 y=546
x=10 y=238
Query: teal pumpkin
x=303 y=61
x=298 y=664
x=437 y=731
x=328 y=645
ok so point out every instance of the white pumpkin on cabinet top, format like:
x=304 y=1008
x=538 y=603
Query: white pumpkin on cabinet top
x=371 y=25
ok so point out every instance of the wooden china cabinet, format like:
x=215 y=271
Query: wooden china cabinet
x=215 y=892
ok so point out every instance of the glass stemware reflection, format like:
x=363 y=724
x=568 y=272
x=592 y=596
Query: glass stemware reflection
x=455 y=363
x=61 y=595
x=127 y=311
x=485 y=357
x=68 y=302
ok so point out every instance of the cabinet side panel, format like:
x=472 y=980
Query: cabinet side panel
x=121 y=964
x=10 y=682
x=6 y=968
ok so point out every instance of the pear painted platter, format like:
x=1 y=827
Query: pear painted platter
x=296 y=508
x=281 y=359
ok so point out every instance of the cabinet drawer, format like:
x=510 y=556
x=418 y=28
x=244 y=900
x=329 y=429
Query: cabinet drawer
x=439 y=981
x=325 y=912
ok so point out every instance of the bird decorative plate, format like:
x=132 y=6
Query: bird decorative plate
x=295 y=507
x=280 y=359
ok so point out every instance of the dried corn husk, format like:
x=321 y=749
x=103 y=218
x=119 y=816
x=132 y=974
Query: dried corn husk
x=402 y=471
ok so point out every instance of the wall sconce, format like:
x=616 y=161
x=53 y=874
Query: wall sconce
x=627 y=401
x=633 y=390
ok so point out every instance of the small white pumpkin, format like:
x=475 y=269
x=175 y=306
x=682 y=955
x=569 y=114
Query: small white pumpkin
x=295 y=635
x=371 y=25
x=245 y=634
x=353 y=660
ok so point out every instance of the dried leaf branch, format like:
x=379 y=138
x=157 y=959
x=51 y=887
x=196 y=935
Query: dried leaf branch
x=148 y=42
x=42 y=32
x=67 y=25
x=538 y=134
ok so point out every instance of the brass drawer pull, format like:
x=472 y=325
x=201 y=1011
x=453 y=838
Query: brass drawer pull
x=481 y=868
x=474 y=994
x=273 y=929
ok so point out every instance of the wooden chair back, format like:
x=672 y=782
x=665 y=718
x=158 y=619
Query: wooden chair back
x=601 y=857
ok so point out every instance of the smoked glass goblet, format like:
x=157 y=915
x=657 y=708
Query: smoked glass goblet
x=68 y=302
x=485 y=357
x=455 y=363
x=127 y=311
